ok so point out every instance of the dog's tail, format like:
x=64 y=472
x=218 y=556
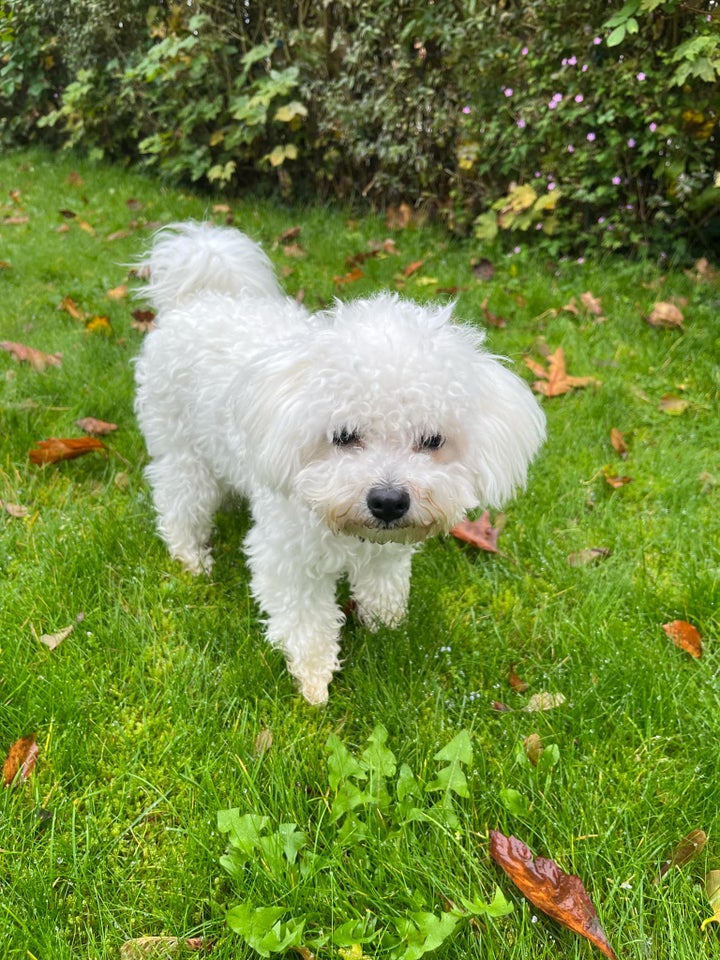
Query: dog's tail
x=189 y=258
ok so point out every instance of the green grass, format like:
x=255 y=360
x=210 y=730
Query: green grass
x=147 y=715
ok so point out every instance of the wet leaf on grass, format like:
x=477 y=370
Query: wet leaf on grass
x=20 y=760
x=36 y=358
x=560 y=895
x=685 y=636
x=480 y=533
x=68 y=448
x=688 y=848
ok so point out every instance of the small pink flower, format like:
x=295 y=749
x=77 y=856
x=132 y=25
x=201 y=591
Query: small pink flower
x=517 y=249
x=524 y=51
x=552 y=105
x=641 y=76
x=584 y=68
x=616 y=181
x=591 y=137
x=551 y=185
x=597 y=41
x=653 y=127
x=570 y=148
x=557 y=97
x=579 y=98
x=466 y=109
x=508 y=91
x=572 y=61
x=631 y=143
x=521 y=123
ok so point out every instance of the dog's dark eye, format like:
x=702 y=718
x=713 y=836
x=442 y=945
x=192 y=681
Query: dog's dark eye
x=433 y=442
x=346 y=438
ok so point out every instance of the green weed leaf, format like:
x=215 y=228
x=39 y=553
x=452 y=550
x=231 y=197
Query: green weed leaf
x=422 y=932
x=262 y=929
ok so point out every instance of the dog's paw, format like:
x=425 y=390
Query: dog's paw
x=197 y=561
x=315 y=691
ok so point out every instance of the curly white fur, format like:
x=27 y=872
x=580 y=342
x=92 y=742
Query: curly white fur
x=354 y=434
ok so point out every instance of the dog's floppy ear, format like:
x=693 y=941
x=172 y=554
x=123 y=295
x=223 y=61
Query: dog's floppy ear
x=504 y=434
x=272 y=418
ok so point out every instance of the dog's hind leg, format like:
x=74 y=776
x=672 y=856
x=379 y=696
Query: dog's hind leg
x=186 y=496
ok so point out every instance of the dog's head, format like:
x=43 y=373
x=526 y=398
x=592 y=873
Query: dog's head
x=390 y=421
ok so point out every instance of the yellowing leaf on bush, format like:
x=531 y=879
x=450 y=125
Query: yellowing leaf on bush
x=665 y=314
x=555 y=380
x=36 y=358
x=685 y=636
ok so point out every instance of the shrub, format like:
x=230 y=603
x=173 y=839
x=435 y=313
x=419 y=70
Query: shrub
x=549 y=120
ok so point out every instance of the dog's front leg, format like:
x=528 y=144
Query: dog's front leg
x=293 y=581
x=380 y=583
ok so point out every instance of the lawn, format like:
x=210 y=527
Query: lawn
x=370 y=818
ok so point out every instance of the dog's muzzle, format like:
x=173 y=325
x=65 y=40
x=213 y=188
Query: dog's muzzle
x=388 y=504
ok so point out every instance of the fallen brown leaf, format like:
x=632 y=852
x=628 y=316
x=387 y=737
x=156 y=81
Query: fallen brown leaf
x=665 y=314
x=97 y=428
x=560 y=895
x=20 y=760
x=516 y=682
x=36 y=358
x=14 y=510
x=539 y=702
x=533 y=747
x=588 y=555
x=688 y=848
x=617 y=439
x=493 y=319
x=143 y=320
x=480 y=533
x=158 y=948
x=555 y=380
x=68 y=448
x=69 y=306
x=673 y=405
x=412 y=268
x=613 y=479
x=118 y=293
x=685 y=636
x=398 y=218
x=591 y=303
x=483 y=269
x=351 y=277
x=53 y=640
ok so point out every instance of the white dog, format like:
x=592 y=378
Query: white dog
x=354 y=434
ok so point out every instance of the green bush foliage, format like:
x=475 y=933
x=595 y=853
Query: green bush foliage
x=565 y=121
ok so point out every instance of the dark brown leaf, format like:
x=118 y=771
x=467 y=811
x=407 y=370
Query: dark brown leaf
x=516 y=682
x=688 y=848
x=560 y=895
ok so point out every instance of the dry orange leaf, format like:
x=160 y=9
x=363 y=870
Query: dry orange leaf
x=480 y=533
x=555 y=380
x=118 y=293
x=36 y=358
x=69 y=306
x=617 y=439
x=560 y=895
x=412 y=268
x=673 y=405
x=516 y=682
x=351 y=276
x=665 y=314
x=614 y=480
x=20 y=760
x=685 y=636
x=68 y=448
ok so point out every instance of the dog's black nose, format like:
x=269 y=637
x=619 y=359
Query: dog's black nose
x=388 y=503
